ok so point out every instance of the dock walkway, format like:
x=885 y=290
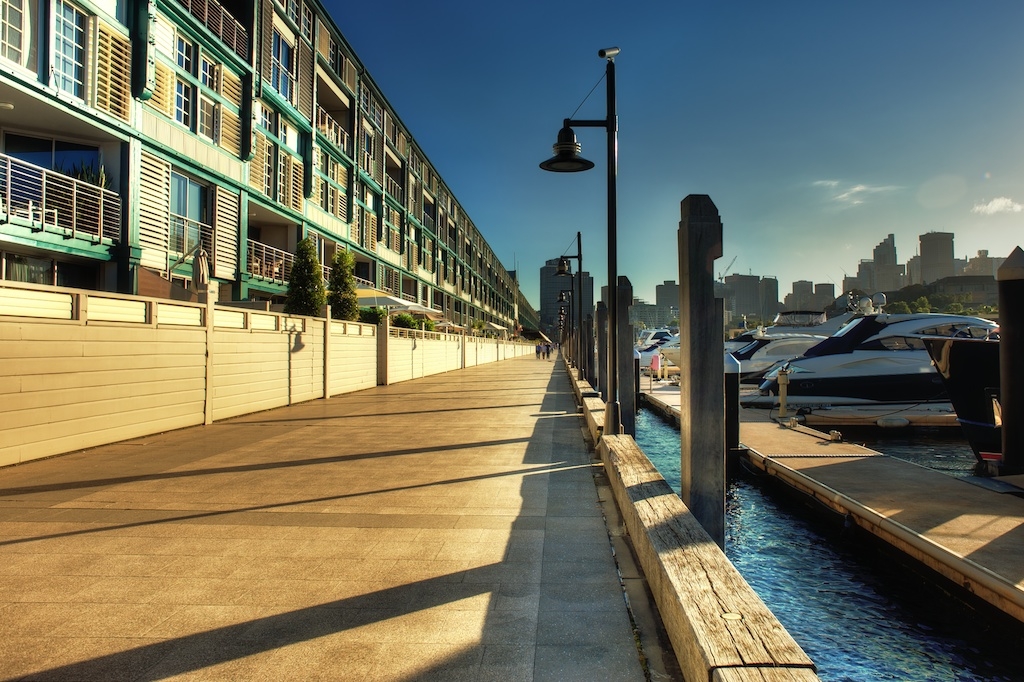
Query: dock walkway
x=446 y=528
x=971 y=534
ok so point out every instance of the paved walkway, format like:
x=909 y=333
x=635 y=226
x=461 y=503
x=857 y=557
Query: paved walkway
x=442 y=529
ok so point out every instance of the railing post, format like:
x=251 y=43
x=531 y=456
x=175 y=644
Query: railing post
x=208 y=313
x=327 y=351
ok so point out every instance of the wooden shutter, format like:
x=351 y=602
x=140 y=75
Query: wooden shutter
x=226 y=213
x=154 y=211
x=163 y=94
x=113 y=73
x=230 y=131
x=266 y=39
x=258 y=165
x=304 y=79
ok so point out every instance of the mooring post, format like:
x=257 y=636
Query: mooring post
x=624 y=358
x=732 y=407
x=1010 y=278
x=702 y=391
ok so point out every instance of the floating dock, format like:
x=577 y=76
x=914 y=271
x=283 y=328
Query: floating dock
x=967 y=533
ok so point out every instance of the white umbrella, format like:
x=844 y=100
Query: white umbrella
x=378 y=299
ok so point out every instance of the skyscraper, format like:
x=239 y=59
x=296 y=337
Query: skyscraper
x=936 y=256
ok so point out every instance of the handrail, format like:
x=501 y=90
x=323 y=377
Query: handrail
x=221 y=23
x=187 y=233
x=332 y=129
x=269 y=262
x=58 y=201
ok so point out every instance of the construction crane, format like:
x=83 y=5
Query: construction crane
x=723 y=275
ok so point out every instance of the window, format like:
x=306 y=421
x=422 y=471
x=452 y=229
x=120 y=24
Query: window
x=58 y=155
x=189 y=210
x=183 y=103
x=207 y=118
x=307 y=23
x=292 y=8
x=209 y=74
x=69 y=49
x=185 y=51
x=281 y=67
x=15 y=22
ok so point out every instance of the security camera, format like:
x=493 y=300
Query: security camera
x=608 y=52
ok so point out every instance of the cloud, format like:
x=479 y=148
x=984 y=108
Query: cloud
x=852 y=195
x=998 y=205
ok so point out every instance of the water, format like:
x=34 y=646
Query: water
x=858 y=616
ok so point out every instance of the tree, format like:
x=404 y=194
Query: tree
x=921 y=305
x=404 y=321
x=897 y=308
x=342 y=295
x=306 y=291
x=955 y=308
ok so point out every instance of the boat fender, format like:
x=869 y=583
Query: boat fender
x=892 y=422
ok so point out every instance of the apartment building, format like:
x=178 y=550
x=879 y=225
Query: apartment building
x=138 y=134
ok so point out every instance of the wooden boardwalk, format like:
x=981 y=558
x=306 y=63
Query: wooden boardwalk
x=972 y=535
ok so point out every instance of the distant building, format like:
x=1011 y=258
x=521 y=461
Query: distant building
x=808 y=296
x=551 y=285
x=983 y=264
x=746 y=294
x=972 y=290
x=768 y=290
x=936 y=256
x=913 y=270
x=889 y=275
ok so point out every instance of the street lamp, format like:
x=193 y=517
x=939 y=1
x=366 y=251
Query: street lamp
x=564 y=270
x=567 y=159
x=565 y=296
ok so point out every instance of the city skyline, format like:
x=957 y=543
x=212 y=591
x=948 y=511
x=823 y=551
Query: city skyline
x=816 y=129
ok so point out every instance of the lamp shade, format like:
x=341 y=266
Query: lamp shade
x=563 y=269
x=567 y=157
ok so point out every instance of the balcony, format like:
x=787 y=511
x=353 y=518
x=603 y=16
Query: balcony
x=269 y=263
x=221 y=23
x=332 y=130
x=55 y=201
x=392 y=187
x=187 y=234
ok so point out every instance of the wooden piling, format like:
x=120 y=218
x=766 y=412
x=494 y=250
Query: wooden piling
x=702 y=390
x=1010 y=278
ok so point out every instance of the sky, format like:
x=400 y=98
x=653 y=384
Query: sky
x=817 y=128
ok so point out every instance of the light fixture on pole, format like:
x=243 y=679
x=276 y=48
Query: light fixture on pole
x=564 y=270
x=567 y=159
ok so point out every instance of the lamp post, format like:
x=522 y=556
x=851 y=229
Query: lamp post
x=565 y=296
x=567 y=159
x=563 y=270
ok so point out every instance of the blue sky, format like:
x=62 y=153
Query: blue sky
x=817 y=128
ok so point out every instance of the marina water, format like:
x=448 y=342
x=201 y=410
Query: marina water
x=859 y=616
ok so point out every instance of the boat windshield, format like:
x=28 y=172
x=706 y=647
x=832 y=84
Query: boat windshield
x=848 y=338
x=799 y=318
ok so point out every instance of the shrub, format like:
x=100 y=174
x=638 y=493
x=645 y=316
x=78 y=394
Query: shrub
x=341 y=294
x=404 y=321
x=372 y=315
x=306 y=291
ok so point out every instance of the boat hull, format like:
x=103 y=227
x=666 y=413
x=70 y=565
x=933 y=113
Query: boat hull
x=969 y=369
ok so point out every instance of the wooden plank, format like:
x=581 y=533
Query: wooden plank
x=713 y=617
x=763 y=675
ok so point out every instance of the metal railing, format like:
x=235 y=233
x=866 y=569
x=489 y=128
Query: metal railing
x=58 y=201
x=368 y=164
x=331 y=129
x=186 y=234
x=269 y=263
x=220 y=21
x=392 y=187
